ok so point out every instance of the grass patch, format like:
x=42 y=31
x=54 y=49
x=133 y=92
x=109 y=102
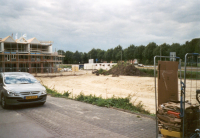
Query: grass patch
x=150 y=72
x=117 y=102
x=189 y=74
x=55 y=93
x=65 y=66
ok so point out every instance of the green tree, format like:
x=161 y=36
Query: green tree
x=138 y=53
x=108 y=55
x=117 y=53
x=68 y=59
x=100 y=55
x=130 y=52
x=92 y=54
x=84 y=58
x=195 y=45
x=148 y=53
x=77 y=57
x=175 y=47
x=126 y=54
x=162 y=50
x=61 y=52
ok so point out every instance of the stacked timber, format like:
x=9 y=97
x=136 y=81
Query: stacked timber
x=169 y=117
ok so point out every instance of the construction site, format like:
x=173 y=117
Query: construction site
x=172 y=94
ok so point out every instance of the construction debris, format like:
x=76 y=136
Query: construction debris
x=169 y=117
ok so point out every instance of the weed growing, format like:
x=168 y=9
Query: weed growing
x=117 y=102
x=53 y=92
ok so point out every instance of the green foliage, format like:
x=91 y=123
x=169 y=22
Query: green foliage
x=117 y=53
x=65 y=66
x=123 y=103
x=144 y=54
x=129 y=52
x=109 y=55
x=148 y=52
x=100 y=55
x=53 y=92
x=150 y=72
x=68 y=59
x=189 y=74
x=138 y=53
x=66 y=94
x=92 y=54
x=84 y=58
x=101 y=71
x=61 y=52
x=77 y=57
x=117 y=102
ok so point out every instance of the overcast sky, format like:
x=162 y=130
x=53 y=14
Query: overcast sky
x=85 y=24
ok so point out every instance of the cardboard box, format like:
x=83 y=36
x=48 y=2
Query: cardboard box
x=167 y=81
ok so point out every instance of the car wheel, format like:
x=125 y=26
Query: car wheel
x=3 y=102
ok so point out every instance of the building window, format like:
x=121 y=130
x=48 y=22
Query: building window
x=23 y=57
x=7 y=57
x=13 y=56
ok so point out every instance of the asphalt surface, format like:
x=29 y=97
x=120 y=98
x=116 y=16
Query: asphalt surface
x=64 y=118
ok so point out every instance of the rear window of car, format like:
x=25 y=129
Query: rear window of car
x=18 y=79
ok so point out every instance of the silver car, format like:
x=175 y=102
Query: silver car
x=18 y=88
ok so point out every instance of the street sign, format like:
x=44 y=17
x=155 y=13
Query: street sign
x=172 y=56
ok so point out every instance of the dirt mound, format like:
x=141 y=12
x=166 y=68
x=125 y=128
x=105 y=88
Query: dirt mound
x=125 y=69
x=122 y=69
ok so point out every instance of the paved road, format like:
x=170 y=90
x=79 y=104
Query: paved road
x=63 y=118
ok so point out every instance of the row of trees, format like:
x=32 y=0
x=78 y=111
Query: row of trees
x=144 y=54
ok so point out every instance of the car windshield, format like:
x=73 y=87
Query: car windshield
x=16 y=79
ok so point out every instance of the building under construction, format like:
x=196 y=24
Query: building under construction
x=31 y=56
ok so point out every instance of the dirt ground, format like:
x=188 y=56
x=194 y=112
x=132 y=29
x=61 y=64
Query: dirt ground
x=141 y=88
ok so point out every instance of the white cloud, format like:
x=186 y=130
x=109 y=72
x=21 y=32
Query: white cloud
x=86 y=24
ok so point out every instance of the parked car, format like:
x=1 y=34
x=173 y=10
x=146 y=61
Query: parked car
x=17 y=88
x=140 y=65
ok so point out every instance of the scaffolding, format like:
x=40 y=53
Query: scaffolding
x=23 y=56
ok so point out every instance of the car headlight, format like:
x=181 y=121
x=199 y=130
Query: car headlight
x=12 y=93
x=44 y=92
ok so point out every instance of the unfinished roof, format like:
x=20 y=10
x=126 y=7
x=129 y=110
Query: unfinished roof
x=8 y=39
x=33 y=41
x=21 y=40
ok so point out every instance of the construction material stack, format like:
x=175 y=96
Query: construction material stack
x=170 y=120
